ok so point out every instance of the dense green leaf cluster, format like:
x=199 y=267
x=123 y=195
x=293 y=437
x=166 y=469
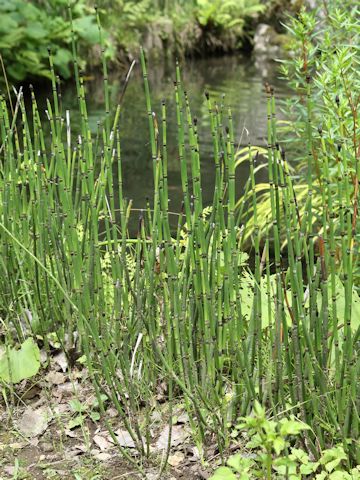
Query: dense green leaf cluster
x=324 y=75
x=270 y=453
x=200 y=26
x=29 y=29
x=179 y=306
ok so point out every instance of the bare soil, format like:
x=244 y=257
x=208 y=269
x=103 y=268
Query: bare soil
x=50 y=429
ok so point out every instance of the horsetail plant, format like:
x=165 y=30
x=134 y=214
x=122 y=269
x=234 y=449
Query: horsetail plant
x=179 y=305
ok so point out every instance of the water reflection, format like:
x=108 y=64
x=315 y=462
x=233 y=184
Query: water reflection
x=240 y=79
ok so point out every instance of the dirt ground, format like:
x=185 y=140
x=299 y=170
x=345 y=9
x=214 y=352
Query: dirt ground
x=50 y=428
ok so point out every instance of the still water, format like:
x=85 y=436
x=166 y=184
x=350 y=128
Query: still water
x=240 y=79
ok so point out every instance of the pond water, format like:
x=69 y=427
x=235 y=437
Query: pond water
x=240 y=79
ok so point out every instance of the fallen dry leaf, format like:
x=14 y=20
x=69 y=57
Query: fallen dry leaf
x=47 y=447
x=34 y=442
x=37 y=402
x=31 y=392
x=65 y=390
x=43 y=356
x=156 y=416
x=193 y=454
x=9 y=470
x=183 y=418
x=62 y=408
x=55 y=378
x=13 y=446
x=152 y=476
x=112 y=412
x=178 y=436
x=102 y=456
x=162 y=389
x=124 y=439
x=204 y=474
x=101 y=442
x=61 y=361
x=176 y=459
x=78 y=449
x=34 y=422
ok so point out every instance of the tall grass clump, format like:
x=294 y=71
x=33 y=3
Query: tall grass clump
x=178 y=310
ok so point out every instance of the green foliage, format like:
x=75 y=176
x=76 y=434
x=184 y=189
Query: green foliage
x=322 y=115
x=17 y=364
x=181 y=24
x=29 y=29
x=226 y=14
x=325 y=50
x=270 y=454
x=128 y=20
x=178 y=306
x=82 y=411
x=223 y=22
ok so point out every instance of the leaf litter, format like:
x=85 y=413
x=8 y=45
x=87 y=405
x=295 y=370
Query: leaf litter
x=37 y=432
x=33 y=423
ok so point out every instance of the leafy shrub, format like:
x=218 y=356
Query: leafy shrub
x=270 y=453
x=128 y=20
x=29 y=29
x=327 y=53
x=226 y=14
x=323 y=73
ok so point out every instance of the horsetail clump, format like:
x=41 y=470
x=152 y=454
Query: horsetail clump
x=182 y=306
